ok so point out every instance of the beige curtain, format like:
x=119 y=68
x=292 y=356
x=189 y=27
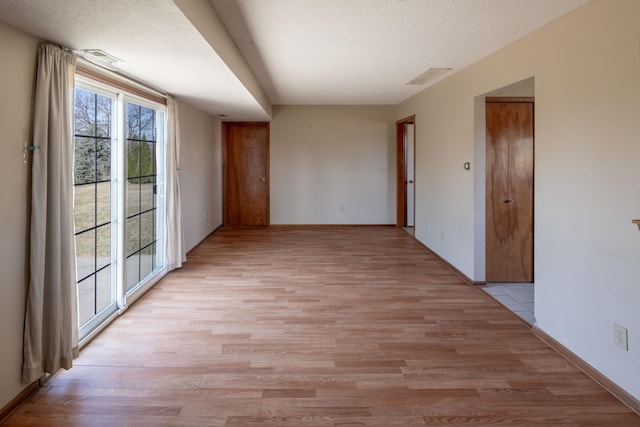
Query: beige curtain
x=51 y=321
x=175 y=253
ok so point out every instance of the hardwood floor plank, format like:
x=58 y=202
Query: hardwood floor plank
x=318 y=326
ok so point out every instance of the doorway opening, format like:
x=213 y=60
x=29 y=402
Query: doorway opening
x=503 y=193
x=405 y=154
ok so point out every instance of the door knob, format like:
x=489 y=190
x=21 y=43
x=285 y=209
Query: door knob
x=264 y=179
x=410 y=181
x=510 y=201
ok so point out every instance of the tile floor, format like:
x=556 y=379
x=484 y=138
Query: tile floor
x=517 y=297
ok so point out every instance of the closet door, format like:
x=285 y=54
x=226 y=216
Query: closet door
x=509 y=192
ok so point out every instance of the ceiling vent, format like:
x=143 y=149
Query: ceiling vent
x=429 y=75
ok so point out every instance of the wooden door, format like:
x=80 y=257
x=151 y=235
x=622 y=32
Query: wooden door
x=509 y=192
x=246 y=174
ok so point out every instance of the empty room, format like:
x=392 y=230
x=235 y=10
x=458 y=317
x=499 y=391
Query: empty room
x=320 y=212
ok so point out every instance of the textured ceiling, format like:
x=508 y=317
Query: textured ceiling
x=153 y=38
x=364 y=51
x=301 y=51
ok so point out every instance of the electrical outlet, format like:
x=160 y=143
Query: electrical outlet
x=620 y=336
x=441 y=234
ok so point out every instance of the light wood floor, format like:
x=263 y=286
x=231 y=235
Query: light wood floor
x=344 y=326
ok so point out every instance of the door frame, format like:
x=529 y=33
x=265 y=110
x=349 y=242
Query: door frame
x=224 y=130
x=401 y=170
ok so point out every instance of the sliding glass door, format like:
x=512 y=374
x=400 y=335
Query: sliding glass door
x=94 y=213
x=118 y=198
x=144 y=204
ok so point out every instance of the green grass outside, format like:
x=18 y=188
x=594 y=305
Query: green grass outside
x=93 y=203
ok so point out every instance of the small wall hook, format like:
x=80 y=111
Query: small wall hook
x=26 y=150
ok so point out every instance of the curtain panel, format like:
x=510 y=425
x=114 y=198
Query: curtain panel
x=175 y=253
x=51 y=319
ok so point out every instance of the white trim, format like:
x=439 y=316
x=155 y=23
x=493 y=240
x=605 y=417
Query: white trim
x=85 y=340
x=121 y=183
x=139 y=100
x=142 y=288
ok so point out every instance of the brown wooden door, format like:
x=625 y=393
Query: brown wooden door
x=509 y=192
x=246 y=180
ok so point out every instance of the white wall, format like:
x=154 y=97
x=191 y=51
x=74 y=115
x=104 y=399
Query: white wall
x=586 y=67
x=332 y=165
x=17 y=73
x=200 y=173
